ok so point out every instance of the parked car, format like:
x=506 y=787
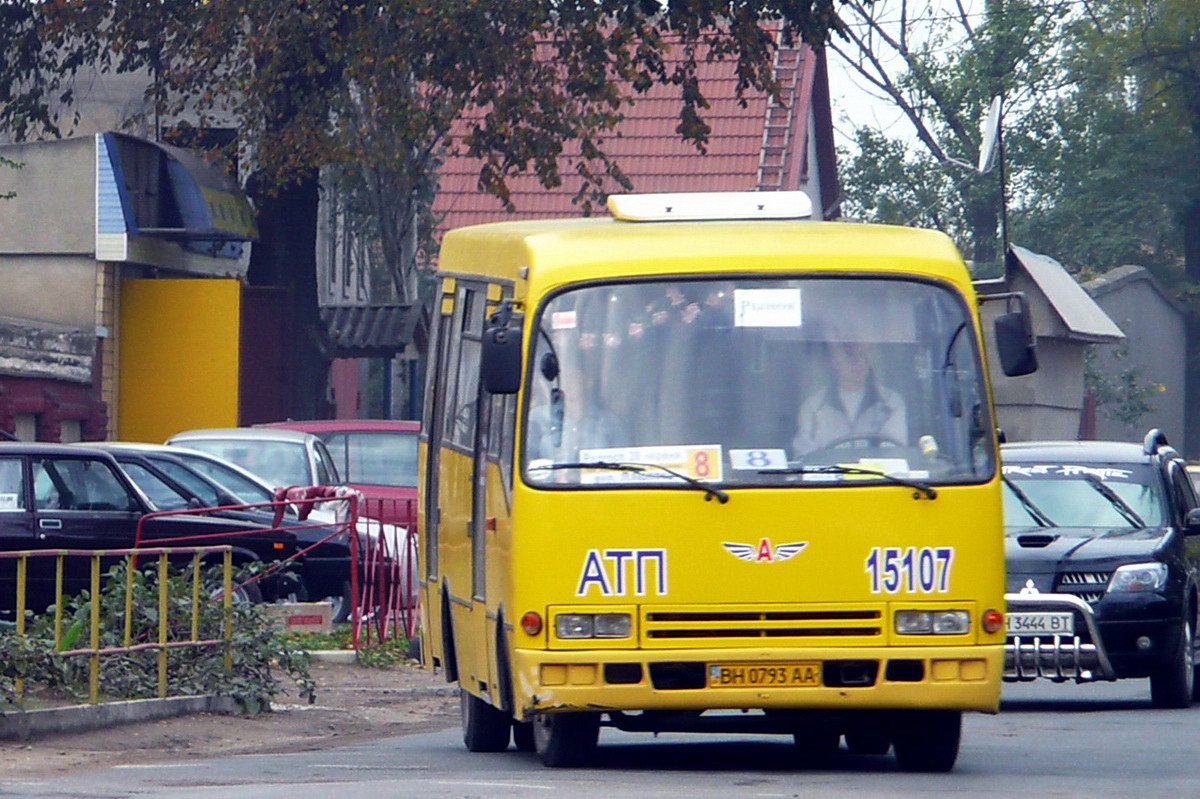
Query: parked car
x=281 y=457
x=245 y=487
x=173 y=483
x=1102 y=555
x=60 y=496
x=376 y=456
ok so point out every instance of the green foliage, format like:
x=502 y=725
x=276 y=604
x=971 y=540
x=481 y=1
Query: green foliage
x=10 y=164
x=1101 y=128
x=260 y=655
x=1124 y=396
x=391 y=652
x=371 y=88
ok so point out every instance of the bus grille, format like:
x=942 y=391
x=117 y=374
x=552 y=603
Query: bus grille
x=742 y=626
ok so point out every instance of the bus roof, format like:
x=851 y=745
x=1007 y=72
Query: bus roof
x=553 y=252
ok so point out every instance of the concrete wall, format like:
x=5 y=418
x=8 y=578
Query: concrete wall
x=1047 y=403
x=55 y=207
x=1155 y=348
x=56 y=289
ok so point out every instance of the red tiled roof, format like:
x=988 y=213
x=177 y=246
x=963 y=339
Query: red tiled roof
x=652 y=155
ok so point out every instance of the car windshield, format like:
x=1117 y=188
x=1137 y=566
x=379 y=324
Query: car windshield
x=279 y=463
x=1068 y=495
x=238 y=483
x=755 y=381
x=376 y=457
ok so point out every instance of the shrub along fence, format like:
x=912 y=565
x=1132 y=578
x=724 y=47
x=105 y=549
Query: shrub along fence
x=149 y=626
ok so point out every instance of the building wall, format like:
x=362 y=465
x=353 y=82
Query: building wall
x=55 y=208
x=1155 y=348
x=59 y=289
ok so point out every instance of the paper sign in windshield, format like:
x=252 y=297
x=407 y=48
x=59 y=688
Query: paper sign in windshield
x=752 y=460
x=8 y=502
x=766 y=308
x=698 y=461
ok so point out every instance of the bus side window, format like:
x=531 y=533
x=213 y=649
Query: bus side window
x=467 y=338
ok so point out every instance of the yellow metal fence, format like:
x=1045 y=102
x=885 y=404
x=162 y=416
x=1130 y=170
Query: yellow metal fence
x=94 y=652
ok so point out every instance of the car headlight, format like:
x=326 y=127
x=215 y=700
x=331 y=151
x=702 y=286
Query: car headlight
x=1139 y=577
x=932 y=622
x=593 y=625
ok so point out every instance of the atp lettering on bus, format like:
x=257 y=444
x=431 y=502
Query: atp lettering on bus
x=617 y=572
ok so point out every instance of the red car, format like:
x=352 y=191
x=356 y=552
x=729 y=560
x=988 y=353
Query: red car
x=376 y=456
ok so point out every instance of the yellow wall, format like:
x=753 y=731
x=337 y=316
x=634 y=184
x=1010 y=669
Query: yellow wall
x=179 y=348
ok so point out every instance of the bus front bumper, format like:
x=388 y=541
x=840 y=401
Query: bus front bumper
x=952 y=678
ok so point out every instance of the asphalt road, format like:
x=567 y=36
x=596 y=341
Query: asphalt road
x=1049 y=741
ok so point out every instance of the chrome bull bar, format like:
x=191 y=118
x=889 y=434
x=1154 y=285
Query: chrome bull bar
x=1055 y=657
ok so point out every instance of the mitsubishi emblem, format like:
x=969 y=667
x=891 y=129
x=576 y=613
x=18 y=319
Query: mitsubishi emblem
x=1029 y=588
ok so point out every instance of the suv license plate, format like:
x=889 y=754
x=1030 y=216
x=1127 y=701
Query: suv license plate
x=759 y=675
x=1041 y=623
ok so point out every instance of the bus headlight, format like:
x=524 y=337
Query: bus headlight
x=593 y=625
x=1139 y=577
x=932 y=622
x=613 y=625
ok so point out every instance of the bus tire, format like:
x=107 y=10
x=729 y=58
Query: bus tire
x=484 y=728
x=868 y=742
x=927 y=740
x=816 y=745
x=522 y=733
x=565 y=739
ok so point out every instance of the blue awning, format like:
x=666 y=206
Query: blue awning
x=154 y=190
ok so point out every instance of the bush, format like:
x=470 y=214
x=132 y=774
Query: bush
x=260 y=655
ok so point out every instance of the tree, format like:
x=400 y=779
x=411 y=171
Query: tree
x=371 y=88
x=941 y=70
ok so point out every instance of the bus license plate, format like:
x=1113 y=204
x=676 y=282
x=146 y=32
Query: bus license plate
x=758 y=675
x=1041 y=623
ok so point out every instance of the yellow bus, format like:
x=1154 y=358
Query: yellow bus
x=708 y=465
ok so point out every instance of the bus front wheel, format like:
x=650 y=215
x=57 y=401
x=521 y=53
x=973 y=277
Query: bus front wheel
x=927 y=740
x=565 y=739
x=484 y=728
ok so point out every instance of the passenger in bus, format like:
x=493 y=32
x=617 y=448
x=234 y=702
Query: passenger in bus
x=855 y=403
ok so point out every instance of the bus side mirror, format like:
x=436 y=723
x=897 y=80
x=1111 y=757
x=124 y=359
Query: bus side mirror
x=1014 y=344
x=501 y=367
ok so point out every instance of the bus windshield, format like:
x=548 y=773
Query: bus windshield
x=755 y=381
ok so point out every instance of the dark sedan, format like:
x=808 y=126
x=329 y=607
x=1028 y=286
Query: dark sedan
x=1103 y=549
x=55 y=496
x=172 y=482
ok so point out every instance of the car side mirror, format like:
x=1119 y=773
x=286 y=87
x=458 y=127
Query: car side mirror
x=194 y=502
x=1191 y=522
x=501 y=367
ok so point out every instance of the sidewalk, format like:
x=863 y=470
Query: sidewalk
x=352 y=703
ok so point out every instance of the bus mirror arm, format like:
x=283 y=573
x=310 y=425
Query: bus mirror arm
x=501 y=360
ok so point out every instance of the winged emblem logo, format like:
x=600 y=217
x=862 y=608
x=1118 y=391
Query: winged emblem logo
x=765 y=551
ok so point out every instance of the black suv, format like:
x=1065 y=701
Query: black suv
x=1103 y=544
x=58 y=496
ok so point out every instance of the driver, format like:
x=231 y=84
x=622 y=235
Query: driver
x=853 y=404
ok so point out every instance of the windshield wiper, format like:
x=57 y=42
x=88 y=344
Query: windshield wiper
x=1033 y=510
x=709 y=491
x=1114 y=498
x=923 y=488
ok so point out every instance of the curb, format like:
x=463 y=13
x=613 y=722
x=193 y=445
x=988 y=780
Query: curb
x=333 y=655
x=22 y=725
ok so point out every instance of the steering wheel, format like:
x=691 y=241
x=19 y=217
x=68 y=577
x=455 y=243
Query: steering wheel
x=870 y=439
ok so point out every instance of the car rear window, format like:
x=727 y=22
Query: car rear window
x=375 y=458
x=279 y=463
